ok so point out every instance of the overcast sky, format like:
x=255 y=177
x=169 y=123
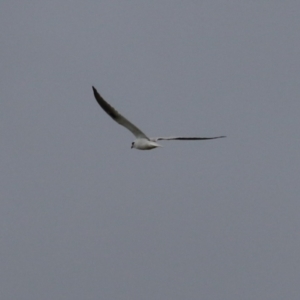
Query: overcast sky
x=83 y=216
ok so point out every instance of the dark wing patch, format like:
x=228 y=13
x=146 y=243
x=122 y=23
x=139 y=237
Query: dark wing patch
x=106 y=107
x=190 y=138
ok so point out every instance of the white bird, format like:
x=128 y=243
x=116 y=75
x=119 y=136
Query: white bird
x=142 y=141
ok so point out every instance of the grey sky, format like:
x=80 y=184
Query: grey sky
x=85 y=217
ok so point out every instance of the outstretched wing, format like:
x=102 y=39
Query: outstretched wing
x=115 y=115
x=182 y=138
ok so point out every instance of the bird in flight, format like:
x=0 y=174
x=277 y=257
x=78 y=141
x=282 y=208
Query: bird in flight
x=142 y=141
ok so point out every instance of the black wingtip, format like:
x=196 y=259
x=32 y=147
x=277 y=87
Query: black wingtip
x=96 y=94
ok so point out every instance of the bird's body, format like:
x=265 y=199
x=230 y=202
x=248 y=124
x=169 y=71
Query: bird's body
x=142 y=142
